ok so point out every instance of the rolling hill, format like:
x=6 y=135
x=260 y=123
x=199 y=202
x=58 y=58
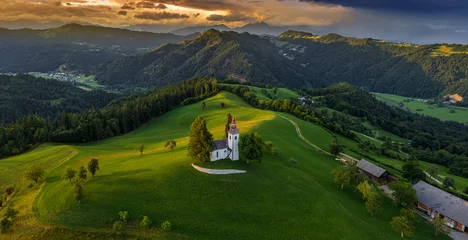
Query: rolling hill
x=73 y=47
x=274 y=199
x=297 y=59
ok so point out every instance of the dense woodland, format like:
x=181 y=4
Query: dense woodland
x=73 y=47
x=297 y=60
x=119 y=117
x=24 y=94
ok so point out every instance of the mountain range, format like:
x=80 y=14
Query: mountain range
x=73 y=47
x=298 y=59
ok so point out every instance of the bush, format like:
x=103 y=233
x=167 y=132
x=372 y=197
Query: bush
x=5 y=224
x=118 y=227
x=124 y=216
x=166 y=226
x=9 y=191
x=293 y=161
x=146 y=222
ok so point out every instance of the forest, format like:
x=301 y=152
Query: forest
x=24 y=94
x=118 y=117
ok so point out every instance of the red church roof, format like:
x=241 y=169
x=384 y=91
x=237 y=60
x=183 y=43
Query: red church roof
x=233 y=129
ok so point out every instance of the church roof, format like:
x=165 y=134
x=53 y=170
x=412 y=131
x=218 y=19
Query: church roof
x=220 y=144
x=233 y=129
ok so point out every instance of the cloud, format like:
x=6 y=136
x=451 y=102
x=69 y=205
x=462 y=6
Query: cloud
x=426 y=6
x=127 y=7
x=161 y=6
x=236 y=17
x=123 y=13
x=145 y=4
x=196 y=15
x=157 y=16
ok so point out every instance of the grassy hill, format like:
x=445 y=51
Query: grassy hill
x=273 y=200
x=446 y=113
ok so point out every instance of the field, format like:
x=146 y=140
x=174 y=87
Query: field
x=275 y=199
x=416 y=106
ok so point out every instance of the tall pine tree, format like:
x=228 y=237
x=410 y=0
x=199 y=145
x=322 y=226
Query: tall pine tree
x=200 y=142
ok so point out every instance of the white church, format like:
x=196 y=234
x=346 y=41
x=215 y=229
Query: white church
x=227 y=147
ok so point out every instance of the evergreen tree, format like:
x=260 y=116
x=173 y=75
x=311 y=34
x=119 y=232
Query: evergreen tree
x=200 y=141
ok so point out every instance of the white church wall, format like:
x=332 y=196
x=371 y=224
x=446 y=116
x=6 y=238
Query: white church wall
x=219 y=154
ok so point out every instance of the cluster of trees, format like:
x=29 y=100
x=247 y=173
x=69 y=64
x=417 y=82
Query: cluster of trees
x=24 y=94
x=77 y=178
x=6 y=221
x=118 y=117
x=146 y=223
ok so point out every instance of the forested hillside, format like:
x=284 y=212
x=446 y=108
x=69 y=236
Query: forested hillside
x=24 y=94
x=296 y=59
x=72 y=47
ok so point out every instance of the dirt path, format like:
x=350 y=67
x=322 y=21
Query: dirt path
x=298 y=131
x=218 y=171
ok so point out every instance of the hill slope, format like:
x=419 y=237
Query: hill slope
x=297 y=59
x=24 y=94
x=72 y=47
x=202 y=206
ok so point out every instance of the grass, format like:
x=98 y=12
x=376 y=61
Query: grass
x=446 y=51
x=273 y=200
x=417 y=106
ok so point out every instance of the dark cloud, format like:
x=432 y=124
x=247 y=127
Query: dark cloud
x=68 y=4
x=145 y=4
x=58 y=3
x=123 y=13
x=127 y=7
x=236 y=17
x=161 y=6
x=196 y=15
x=422 y=6
x=156 y=16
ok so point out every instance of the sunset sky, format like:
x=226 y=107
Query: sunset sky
x=357 y=15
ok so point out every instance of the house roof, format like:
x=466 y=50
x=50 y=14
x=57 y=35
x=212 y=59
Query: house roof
x=370 y=168
x=442 y=201
x=220 y=144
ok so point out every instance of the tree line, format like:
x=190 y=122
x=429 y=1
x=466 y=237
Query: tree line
x=118 y=117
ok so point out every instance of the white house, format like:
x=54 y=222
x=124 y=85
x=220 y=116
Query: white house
x=227 y=147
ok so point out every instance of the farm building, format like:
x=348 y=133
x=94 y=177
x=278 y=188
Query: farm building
x=375 y=172
x=344 y=158
x=437 y=203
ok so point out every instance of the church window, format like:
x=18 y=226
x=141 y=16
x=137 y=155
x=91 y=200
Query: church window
x=235 y=138
x=229 y=137
x=217 y=154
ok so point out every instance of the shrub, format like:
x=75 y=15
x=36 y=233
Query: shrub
x=293 y=161
x=124 y=216
x=5 y=224
x=166 y=226
x=9 y=191
x=146 y=222
x=118 y=227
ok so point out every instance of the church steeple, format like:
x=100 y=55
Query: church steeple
x=233 y=140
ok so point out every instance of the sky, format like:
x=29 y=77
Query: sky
x=387 y=19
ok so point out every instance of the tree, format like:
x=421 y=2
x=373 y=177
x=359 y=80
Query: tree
x=9 y=191
x=141 y=148
x=70 y=174
x=222 y=104
x=79 y=191
x=166 y=226
x=449 y=182
x=433 y=170
x=200 y=141
x=412 y=172
x=93 y=166
x=203 y=105
x=374 y=202
x=404 y=223
x=10 y=212
x=146 y=222
x=35 y=173
x=335 y=147
x=365 y=189
x=439 y=226
x=341 y=175
x=83 y=173
x=171 y=144
x=227 y=125
x=124 y=216
x=403 y=193
x=251 y=147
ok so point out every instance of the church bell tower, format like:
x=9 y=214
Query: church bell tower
x=233 y=140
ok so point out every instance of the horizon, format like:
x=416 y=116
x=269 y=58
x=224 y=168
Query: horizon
x=398 y=21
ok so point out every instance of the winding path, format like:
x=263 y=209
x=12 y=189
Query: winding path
x=218 y=171
x=298 y=131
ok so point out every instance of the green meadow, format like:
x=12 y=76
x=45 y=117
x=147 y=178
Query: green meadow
x=283 y=93
x=275 y=199
x=446 y=113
